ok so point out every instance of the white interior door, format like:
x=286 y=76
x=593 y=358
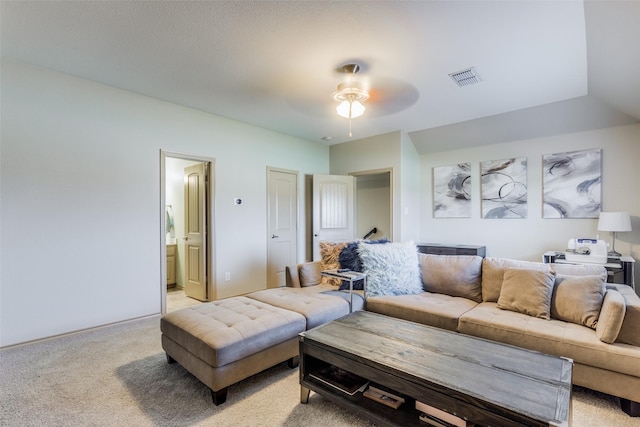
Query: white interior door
x=196 y=216
x=333 y=210
x=283 y=225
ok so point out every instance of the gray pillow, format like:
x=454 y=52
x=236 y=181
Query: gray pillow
x=392 y=269
x=527 y=291
x=454 y=275
x=578 y=299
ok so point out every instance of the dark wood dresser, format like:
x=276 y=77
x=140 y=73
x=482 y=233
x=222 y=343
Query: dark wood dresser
x=441 y=249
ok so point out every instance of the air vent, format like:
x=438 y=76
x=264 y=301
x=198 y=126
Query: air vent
x=465 y=77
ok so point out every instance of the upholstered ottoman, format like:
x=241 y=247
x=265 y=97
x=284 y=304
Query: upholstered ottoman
x=226 y=341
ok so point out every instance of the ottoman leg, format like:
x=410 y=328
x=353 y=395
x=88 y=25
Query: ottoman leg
x=170 y=359
x=293 y=362
x=219 y=397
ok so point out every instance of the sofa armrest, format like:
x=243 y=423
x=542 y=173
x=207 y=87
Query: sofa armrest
x=303 y=275
x=629 y=333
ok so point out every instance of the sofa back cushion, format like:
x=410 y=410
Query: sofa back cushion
x=493 y=271
x=578 y=299
x=453 y=275
x=310 y=274
x=580 y=270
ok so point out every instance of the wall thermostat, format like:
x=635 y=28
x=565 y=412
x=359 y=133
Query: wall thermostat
x=237 y=201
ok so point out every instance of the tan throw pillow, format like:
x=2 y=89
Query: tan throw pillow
x=527 y=291
x=329 y=253
x=454 y=275
x=493 y=271
x=611 y=317
x=578 y=299
x=309 y=274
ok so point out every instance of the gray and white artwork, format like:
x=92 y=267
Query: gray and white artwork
x=572 y=184
x=504 y=188
x=452 y=191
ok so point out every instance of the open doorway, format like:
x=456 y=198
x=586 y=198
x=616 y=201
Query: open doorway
x=374 y=202
x=187 y=230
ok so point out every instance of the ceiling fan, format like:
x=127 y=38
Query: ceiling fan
x=356 y=92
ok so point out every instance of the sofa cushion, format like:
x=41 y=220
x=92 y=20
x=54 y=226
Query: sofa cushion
x=330 y=253
x=493 y=272
x=391 y=269
x=316 y=307
x=580 y=270
x=439 y=310
x=527 y=291
x=577 y=299
x=555 y=337
x=310 y=274
x=454 y=275
x=611 y=317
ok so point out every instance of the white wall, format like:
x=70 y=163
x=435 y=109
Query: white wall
x=529 y=238
x=80 y=212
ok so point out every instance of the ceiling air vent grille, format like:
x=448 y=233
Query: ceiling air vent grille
x=465 y=77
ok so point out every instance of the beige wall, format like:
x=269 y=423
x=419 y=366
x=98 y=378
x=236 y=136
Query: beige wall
x=529 y=238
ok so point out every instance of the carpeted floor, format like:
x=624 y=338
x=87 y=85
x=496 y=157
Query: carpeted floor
x=118 y=375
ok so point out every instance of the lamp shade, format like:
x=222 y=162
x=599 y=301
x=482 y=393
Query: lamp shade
x=614 y=221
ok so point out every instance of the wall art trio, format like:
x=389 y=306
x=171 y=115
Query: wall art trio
x=571 y=187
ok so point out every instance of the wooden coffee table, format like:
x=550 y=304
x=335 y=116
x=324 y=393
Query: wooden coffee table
x=481 y=381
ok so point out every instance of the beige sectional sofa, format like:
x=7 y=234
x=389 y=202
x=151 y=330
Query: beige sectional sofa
x=559 y=309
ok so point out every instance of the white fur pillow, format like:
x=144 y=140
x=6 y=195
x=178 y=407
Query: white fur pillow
x=392 y=269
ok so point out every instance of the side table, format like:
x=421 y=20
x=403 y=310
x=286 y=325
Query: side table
x=349 y=276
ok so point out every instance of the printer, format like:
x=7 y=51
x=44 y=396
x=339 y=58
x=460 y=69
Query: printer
x=586 y=250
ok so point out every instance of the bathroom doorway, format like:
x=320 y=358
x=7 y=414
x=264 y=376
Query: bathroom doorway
x=187 y=230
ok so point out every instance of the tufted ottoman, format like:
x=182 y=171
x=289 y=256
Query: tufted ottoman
x=226 y=341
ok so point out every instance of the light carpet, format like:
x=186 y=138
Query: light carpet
x=118 y=375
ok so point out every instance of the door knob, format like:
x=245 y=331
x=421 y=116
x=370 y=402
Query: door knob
x=274 y=236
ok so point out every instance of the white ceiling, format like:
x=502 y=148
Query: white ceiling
x=546 y=66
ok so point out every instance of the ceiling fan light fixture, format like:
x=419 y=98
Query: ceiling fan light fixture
x=350 y=110
x=351 y=94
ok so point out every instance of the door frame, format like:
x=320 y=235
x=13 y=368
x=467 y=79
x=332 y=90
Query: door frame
x=210 y=241
x=269 y=190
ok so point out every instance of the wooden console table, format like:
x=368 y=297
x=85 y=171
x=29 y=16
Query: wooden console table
x=474 y=379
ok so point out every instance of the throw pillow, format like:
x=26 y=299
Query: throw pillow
x=611 y=316
x=454 y=275
x=577 y=299
x=350 y=259
x=329 y=253
x=309 y=274
x=527 y=291
x=493 y=271
x=392 y=269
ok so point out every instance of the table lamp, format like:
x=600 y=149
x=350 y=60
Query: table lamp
x=614 y=222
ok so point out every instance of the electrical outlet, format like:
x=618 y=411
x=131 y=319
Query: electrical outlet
x=227 y=276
